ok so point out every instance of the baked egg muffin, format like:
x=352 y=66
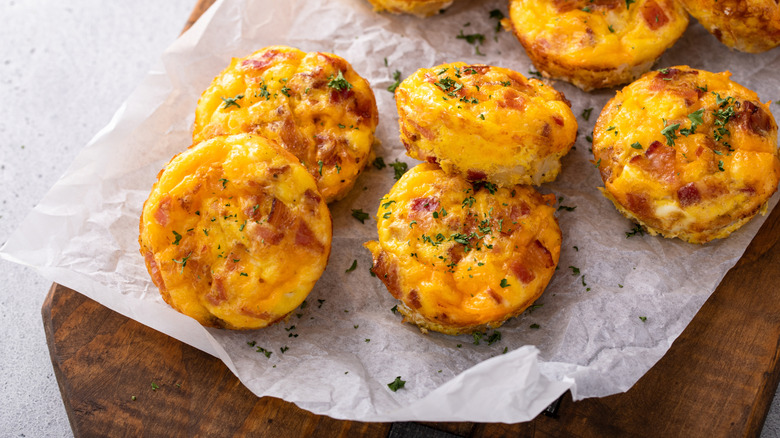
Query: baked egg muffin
x=235 y=233
x=421 y=8
x=463 y=257
x=687 y=153
x=749 y=26
x=596 y=43
x=313 y=104
x=485 y=123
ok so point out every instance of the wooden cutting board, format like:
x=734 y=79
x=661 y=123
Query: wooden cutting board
x=120 y=378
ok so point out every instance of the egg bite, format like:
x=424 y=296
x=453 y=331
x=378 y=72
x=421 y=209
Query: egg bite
x=596 y=43
x=687 y=153
x=234 y=232
x=749 y=26
x=421 y=8
x=463 y=257
x=485 y=123
x=313 y=104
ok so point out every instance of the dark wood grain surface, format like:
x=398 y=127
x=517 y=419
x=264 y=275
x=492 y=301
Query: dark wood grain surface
x=120 y=378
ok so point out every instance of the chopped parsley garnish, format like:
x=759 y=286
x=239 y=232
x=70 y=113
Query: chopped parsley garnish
x=320 y=303
x=397 y=79
x=586 y=113
x=643 y=318
x=574 y=270
x=286 y=91
x=506 y=83
x=611 y=29
x=394 y=309
x=636 y=230
x=264 y=91
x=283 y=349
x=567 y=208
x=232 y=101
x=360 y=215
x=264 y=351
x=352 y=268
x=387 y=204
x=494 y=337
x=339 y=82
x=477 y=336
x=468 y=202
x=586 y=9
x=597 y=164
x=534 y=73
x=387 y=215
x=396 y=384
x=498 y=15
x=243 y=274
x=628 y=3
x=320 y=163
x=504 y=283
x=720 y=166
x=399 y=167
x=636 y=145
x=474 y=38
x=182 y=262
x=534 y=326
x=379 y=163
x=224 y=182
x=155 y=387
x=669 y=133
x=177 y=237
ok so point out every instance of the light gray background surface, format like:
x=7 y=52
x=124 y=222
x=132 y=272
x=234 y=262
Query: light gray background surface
x=65 y=67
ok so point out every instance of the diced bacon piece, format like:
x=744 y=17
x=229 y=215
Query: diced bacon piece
x=265 y=60
x=558 y=120
x=268 y=235
x=414 y=299
x=688 y=195
x=387 y=271
x=305 y=238
x=522 y=273
x=217 y=295
x=154 y=272
x=536 y=254
x=475 y=175
x=658 y=161
x=311 y=200
x=654 y=15
x=293 y=139
x=754 y=118
x=512 y=99
x=280 y=216
x=276 y=171
x=496 y=297
x=475 y=69
x=256 y=314
x=427 y=204
x=163 y=211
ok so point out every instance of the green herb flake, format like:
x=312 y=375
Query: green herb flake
x=360 y=215
x=283 y=349
x=396 y=384
x=320 y=163
x=397 y=79
x=155 y=387
x=399 y=168
x=232 y=101
x=504 y=283
x=586 y=113
x=177 y=238
x=720 y=166
x=339 y=82
x=351 y=268
x=379 y=163
x=494 y=337
x=636 y=145
x=534 y=326
x=634 y=231
x=574 y=270
x=243 y=274
x=394 y=309
x=643 y=318
x=669 y=133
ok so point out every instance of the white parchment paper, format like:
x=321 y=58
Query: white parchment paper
x=345 y=346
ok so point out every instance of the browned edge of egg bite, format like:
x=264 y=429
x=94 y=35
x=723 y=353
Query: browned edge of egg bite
x=748 y=26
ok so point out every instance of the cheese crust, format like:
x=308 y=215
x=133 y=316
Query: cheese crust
x=234 y=232
x=485 y=123
x=687 y=153
x=463 y=257
x=596 y=43
x=313 y=104
x=747 y=25
x=421 y=8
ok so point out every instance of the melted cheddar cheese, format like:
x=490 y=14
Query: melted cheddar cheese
x=748 y=25
x=463 y=257
x=485 y=123
x=313 y=104
x=234 y=232
x=687 y=153
x=421 y=8
x=596 y=43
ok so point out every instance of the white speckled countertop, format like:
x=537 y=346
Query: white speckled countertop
x=65 y=67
